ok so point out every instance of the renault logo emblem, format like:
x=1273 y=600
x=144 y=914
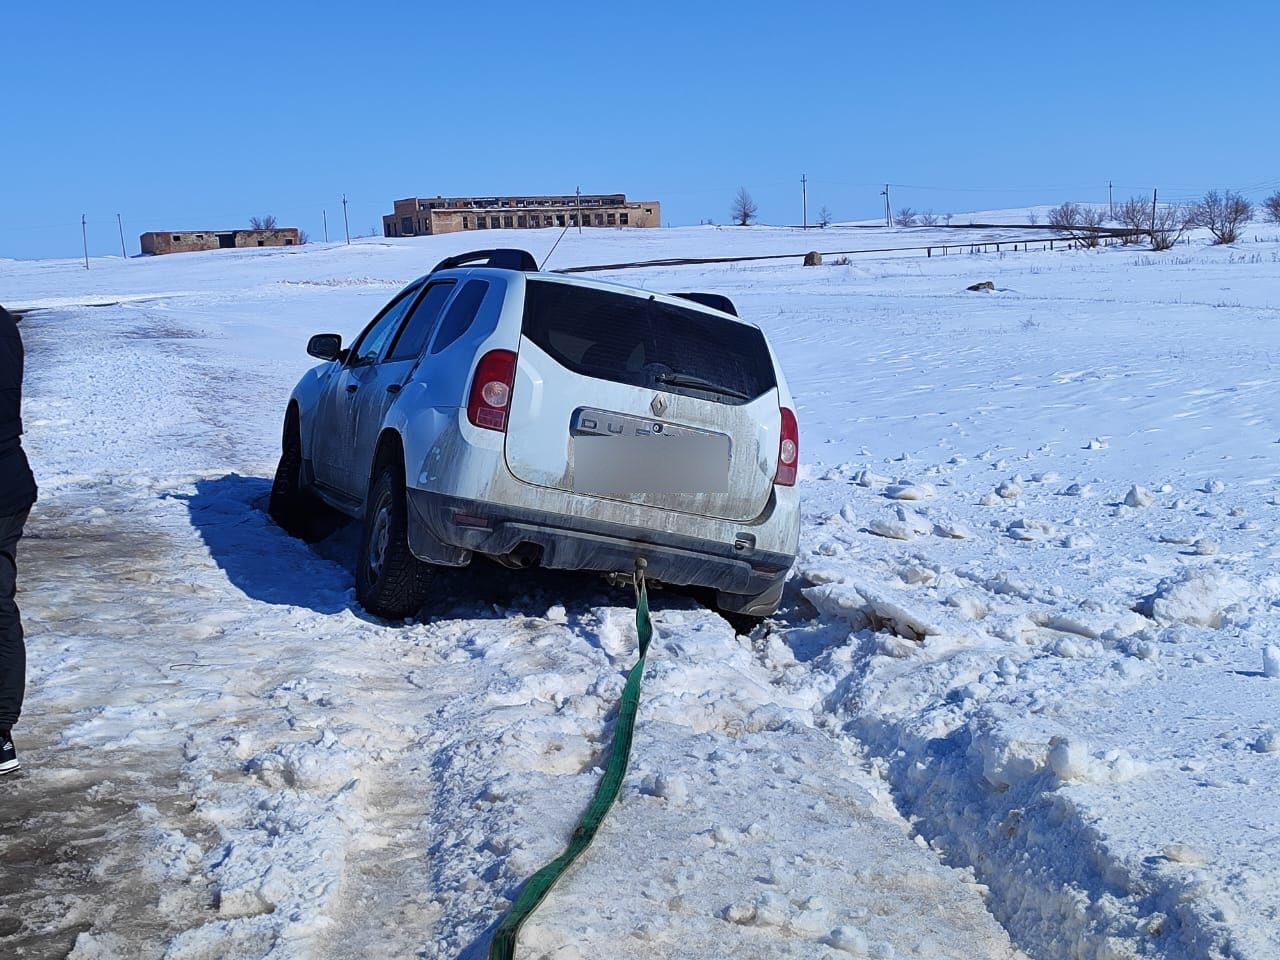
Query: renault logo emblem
x=658 y=404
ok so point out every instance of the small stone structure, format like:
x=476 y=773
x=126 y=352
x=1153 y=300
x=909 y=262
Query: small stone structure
x=185 y=241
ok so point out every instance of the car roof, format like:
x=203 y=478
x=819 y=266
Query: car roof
x=590 y=283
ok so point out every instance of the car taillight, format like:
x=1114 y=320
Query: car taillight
x=490 y=399
x=788 y=450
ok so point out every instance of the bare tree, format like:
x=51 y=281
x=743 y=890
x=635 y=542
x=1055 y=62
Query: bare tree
x=906 y=217
x=1092 y=220
x=1135 y=214
x=1033 y=217
x=928 y=219
x=1168 y=224
x=946 y=218
x=1065 y=217
x=263 y=223
x=1082 y=224
x=1271 y=207
x=744 y=209
x=303 y=237
x=1222 y=214
x=824 y=217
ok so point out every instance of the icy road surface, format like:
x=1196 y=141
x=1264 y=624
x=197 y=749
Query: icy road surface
x=1016 y=695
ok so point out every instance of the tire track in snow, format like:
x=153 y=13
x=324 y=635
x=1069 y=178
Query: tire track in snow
x=348 y=783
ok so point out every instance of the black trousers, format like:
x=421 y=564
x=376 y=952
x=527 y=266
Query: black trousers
x=13 y=652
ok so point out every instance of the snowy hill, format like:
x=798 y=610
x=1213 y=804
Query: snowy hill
x=1015 y=699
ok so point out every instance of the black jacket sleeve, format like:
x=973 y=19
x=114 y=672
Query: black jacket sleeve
x=17 y=485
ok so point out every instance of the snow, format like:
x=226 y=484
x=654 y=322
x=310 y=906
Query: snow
x=1019 y=697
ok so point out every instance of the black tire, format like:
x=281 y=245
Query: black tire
x=390 y=581
x=741 y=623
x=745 y=613
x=296 y=510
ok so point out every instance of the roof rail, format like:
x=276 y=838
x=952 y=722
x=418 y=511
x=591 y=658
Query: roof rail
x=503 y=258
x=716 y=301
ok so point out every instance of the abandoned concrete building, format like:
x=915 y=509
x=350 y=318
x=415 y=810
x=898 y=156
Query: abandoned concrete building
x=420 y=217
x=165 y=241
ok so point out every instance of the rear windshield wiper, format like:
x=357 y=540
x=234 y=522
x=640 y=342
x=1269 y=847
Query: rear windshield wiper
x=697 y=383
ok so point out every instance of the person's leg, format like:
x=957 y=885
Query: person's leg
x=13 y=652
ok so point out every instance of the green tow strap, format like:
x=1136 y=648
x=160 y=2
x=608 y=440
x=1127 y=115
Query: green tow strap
x=503 y=945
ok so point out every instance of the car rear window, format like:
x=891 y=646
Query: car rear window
x=633 y=339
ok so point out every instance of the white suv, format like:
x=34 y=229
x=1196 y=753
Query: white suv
x=543 y=420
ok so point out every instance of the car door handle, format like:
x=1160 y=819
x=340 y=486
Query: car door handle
x=352 y=387
x=394 y=387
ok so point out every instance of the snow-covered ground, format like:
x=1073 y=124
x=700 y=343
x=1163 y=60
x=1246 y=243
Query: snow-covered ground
x=1015 y=700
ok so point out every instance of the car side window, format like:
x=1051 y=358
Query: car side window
x=461 y=314
x=413 y=336
x=376 y=335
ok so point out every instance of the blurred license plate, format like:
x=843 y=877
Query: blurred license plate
x=615 y=454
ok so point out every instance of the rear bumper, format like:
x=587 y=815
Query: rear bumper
x=448 y=529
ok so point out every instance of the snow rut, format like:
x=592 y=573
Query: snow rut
x=289 y=779
x=1039 y=736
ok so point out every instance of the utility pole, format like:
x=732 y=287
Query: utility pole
x=1111 y=203
x=577 y=192
x=1154 y=194
x=888 y=210
x=120 y=224
x=325 y=214
x=345 y=226
x=84 y=235
x=804 y=200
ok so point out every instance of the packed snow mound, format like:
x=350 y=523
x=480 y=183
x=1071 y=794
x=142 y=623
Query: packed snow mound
x=1198 y=598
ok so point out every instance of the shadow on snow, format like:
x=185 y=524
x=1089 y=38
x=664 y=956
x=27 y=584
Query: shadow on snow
x=267 y=564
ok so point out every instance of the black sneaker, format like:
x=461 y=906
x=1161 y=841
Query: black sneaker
x=8 y=755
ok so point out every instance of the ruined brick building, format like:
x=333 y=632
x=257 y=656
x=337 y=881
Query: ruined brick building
x=185 y=241
x=420 y=217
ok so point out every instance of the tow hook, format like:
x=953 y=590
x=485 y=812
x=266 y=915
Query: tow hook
x=618 y=578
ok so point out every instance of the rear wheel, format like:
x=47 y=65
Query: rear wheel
x=745 y=612
x=296 y=510
x=390 y=581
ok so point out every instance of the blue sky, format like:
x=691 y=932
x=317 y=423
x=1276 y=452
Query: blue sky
x=202 y=114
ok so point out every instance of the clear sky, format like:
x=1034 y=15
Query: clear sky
x=182 y=115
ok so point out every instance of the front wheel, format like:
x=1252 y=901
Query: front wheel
x=390 y=581
x=292 y=506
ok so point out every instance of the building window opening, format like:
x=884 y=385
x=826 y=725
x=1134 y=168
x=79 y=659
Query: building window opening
x=508 y=222
x=623 y=219
x=611 y=219
x=559 y=219
x=177 y=238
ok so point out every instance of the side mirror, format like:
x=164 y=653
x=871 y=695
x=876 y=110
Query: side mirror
x=325 y=346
